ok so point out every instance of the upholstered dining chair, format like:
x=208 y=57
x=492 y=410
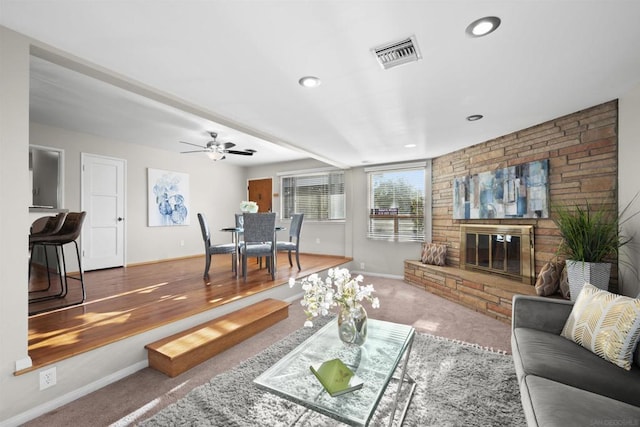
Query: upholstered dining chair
x=293 y=245
x=210 y=250
x=259 y=240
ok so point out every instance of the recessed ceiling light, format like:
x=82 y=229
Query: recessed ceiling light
x=410 y=146
x=309 y=81
x=483 y=26
x=474 y=117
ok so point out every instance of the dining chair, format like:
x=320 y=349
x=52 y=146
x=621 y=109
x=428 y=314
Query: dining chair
x=210 y=250
x=293 y=245
x=259 y=240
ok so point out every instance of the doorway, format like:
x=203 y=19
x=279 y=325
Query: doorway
x=260 y=191
x=103 y=198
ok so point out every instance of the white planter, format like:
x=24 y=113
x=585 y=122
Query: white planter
x=595 y=273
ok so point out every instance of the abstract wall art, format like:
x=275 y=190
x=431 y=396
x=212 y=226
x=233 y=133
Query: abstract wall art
x=168 y=198
x=520 y=191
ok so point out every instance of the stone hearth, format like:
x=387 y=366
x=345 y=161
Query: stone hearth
x=486 y=293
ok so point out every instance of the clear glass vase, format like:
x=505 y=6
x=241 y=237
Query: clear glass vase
x=352 y=325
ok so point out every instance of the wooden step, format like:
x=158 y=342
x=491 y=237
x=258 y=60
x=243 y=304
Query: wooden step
x=180 y=352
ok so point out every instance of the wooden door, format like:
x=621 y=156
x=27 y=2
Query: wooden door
x=260 y=192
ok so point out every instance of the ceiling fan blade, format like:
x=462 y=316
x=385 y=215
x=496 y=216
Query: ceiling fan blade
x=228 y=145
x=194 y=151
x=195 y=145
x=242 y=153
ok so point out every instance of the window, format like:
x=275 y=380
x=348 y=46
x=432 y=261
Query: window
x=319 y=195
x=397 y=202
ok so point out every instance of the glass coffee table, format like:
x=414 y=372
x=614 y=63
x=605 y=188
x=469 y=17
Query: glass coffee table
x=387 y=345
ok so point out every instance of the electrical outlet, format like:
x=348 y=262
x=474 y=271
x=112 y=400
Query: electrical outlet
x=362 y=266
x=317 y=240
x=48 y=378
x=181 y=242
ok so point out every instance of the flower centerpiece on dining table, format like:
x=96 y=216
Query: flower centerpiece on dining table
x=339 y=290
x=248 y=206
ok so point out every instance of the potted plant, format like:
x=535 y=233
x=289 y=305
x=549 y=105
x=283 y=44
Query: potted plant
x=591 y=237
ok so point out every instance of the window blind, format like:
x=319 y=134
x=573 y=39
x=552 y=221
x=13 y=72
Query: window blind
x=320 y=196
x=397 y=203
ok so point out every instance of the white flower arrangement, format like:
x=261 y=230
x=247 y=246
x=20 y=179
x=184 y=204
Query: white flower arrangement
x=338 y=289
x=248 y=206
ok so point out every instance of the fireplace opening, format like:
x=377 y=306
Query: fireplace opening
x=507 y=250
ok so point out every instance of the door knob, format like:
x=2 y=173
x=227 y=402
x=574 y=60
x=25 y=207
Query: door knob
x=120 y=219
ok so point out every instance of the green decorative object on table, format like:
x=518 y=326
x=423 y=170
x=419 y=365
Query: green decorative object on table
x=336 y=377
x=340 y=290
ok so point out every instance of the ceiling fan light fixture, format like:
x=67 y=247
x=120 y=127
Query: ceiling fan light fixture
x=309 y=81
x=483 y=26
x=215 y=155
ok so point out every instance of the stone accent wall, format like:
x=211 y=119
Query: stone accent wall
x=582 y=149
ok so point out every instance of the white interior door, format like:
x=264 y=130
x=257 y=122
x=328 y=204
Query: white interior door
x=103 y=198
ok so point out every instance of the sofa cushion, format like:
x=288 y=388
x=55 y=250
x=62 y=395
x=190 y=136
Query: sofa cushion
x=434 y=254
x=553 y=404
x=556 y=358
x=605 y=323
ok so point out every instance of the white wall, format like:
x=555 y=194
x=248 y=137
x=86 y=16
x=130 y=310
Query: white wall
x=629 y=185
x=143 y=243
x=14 y=222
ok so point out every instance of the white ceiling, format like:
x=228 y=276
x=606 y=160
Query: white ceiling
x=236 y=64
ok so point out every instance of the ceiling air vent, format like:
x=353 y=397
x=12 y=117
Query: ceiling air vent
x=397 y=53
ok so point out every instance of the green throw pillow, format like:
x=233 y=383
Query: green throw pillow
x=605 y=323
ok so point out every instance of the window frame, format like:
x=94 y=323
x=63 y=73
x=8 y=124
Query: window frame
x=322 y=172
x=397 y=217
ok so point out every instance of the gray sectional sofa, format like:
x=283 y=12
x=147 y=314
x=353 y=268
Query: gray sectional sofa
x=562 y=383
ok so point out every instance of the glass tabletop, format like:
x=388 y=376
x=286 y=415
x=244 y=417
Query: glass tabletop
x=374 y=362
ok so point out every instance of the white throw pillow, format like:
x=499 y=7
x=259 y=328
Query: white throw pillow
x=605 y=323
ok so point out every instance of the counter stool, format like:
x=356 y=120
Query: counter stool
x=68 y=233
x=41 y=229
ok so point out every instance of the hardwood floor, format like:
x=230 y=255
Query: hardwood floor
x=123 y=302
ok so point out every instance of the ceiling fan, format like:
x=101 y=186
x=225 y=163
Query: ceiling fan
x=217 y=150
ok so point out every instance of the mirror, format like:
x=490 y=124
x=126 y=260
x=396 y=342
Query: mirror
x=46 y=166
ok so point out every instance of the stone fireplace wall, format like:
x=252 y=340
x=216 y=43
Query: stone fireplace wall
x=582 y=149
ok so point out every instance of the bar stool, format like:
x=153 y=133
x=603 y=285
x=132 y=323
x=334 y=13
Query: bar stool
x=41 y=229
x=68 y=233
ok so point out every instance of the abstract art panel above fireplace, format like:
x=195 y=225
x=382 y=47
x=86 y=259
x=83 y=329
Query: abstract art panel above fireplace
x=520 y=191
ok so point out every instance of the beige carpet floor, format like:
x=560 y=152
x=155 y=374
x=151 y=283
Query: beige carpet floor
x=144 y=393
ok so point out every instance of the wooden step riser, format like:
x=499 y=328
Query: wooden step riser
x=164 y=358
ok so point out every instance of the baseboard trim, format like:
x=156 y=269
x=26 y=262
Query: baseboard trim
x=73 y=395
x=387 y=276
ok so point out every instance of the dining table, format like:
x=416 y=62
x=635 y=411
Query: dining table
x=237 y=232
